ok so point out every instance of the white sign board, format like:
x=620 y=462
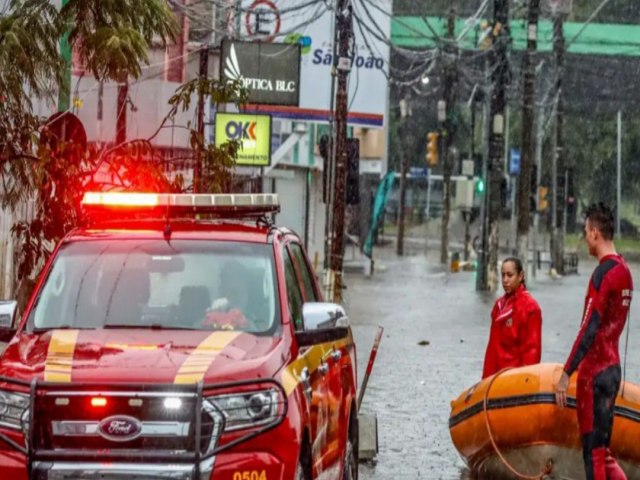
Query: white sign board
x=313 y=27
x=464 y=194
x=468 y=168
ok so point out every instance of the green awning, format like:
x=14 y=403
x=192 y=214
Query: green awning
x=596 y=39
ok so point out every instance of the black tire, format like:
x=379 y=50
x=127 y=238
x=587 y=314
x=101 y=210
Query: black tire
x=301 y=473
x=303 y=470
x=350 y=471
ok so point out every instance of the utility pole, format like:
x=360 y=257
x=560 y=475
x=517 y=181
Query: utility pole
x=619 y=175
x=528 y=145
x=536 y=217
x=500 y=77
x=204 y=69
x=121 y=119
x=558 y=193
x=64 y=93
x=405 y=112
x=450 y=80
x=344 y=22
x=481 y=277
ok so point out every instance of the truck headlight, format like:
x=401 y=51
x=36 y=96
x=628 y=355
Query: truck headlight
x=250 y=409
x=13 y=406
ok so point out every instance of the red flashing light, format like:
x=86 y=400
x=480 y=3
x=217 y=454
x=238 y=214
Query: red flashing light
x=121 y=199
x=98 y=402
x=230 y=205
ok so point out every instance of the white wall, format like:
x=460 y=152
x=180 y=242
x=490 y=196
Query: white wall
x=150 y=96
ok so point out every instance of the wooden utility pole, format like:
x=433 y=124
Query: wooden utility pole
x=121 y=119
x=528 y=126
x=344 y=22
x=558 y=193
x=405 y=112
x=204 y=69
x=450 y=81
x=500 y=77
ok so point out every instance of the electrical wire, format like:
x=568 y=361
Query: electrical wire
x=473 y=20
x=589 y=20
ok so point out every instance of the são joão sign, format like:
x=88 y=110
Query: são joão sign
x=269 y=71
x=253 y=132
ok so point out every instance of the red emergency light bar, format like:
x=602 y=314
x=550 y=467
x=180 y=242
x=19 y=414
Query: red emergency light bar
x=228 y=205
x=121 y=199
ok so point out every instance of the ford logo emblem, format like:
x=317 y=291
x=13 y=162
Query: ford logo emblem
x=120 y=428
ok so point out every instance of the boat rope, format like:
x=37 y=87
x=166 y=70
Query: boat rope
x=547 y=468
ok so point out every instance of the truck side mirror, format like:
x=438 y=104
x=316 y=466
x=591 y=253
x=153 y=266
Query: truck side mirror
x=8 y=309
x=323 y=322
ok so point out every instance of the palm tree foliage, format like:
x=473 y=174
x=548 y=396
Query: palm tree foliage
x=112 y=38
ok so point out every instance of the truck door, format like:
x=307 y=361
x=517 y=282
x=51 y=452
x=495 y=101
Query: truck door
x=331 y=364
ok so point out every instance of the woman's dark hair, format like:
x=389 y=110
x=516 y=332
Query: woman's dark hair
x=601 y=217
x=519 y=268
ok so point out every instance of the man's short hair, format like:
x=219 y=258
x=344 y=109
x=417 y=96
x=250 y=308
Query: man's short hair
x=600 y=216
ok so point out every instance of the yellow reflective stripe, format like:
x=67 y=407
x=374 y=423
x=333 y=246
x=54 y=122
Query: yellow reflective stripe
x=59 y=362
x=291 y=375
x=196 y=365
x=311 y=358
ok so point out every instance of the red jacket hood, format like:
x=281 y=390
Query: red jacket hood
x=143 y=356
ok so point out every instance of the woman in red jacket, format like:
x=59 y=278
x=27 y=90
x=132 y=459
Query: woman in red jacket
x=516 y=324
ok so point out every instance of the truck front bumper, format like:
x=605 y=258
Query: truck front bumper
x=118 y=471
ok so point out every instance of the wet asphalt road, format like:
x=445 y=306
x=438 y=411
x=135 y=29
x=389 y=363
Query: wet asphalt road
x=410 y=390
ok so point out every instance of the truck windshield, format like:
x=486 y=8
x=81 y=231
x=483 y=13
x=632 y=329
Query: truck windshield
x=145 y=283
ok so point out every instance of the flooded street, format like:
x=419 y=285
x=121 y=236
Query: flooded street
x=436 y=331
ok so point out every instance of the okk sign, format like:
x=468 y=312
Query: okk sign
x=252 y=131
x=312 y=28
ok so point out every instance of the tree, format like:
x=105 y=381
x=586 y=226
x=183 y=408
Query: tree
x=113 y=38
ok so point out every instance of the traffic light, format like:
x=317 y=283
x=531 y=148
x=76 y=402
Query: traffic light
x=432 y=148
x=543 y=203
x=480 y=185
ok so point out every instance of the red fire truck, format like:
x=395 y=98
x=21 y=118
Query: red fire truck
x=178 y=337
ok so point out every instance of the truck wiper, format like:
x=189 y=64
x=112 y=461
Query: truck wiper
x=152 y=326
x=58 y=327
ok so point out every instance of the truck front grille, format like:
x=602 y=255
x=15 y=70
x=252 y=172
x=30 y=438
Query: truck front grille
x=123 y=421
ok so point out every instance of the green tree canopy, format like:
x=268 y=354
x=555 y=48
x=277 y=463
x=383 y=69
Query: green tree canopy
x=113 y=38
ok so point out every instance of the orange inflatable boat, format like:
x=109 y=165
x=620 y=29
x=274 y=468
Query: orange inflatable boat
x=509 y=425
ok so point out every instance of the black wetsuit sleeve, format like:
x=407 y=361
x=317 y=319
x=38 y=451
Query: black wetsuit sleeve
x=599 y=292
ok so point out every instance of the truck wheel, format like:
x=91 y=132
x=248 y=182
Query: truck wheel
x=350 y=463
x=301 y=472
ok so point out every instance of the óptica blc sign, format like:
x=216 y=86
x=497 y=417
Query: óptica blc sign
x=269 y=71
x=254 y=133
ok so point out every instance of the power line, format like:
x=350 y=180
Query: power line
x=589 y=20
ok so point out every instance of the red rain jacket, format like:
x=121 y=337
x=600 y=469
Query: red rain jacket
x=516 y=333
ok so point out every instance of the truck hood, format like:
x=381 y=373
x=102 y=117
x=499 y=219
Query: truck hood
x=142 y=356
